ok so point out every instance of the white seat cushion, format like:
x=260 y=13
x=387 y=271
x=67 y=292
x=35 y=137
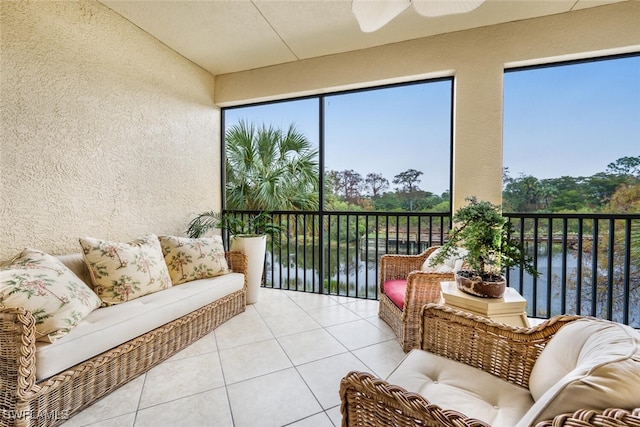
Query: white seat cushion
x=454 y=385
x=108 y=327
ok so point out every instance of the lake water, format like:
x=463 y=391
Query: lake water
x=554 y=292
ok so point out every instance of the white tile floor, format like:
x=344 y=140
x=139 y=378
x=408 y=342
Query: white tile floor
x=277 y=364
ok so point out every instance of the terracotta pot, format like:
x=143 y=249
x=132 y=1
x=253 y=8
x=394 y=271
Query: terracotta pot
x=474 y=285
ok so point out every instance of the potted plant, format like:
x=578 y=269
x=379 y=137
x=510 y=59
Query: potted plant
x=248 y=235
x=484 y=233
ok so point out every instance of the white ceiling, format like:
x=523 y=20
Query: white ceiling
x=225 y=36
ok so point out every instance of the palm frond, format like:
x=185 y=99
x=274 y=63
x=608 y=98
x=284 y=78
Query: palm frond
x=269 y=169
x=204 y=222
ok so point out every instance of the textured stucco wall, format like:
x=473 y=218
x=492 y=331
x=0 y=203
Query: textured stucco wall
x=477 y=58
x=106 y=132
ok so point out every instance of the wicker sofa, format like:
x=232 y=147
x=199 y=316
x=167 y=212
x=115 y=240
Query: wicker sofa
x=37 y=393
x=471 y=371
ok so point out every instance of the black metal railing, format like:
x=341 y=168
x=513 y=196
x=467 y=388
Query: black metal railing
x=338 y=253
x=589 y=264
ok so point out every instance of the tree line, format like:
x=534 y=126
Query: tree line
x=349 y=190
x=271 y=169
x=268 y=168
x=616 y=190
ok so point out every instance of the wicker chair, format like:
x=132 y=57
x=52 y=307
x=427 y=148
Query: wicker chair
x=422 y=288
x=504 y=351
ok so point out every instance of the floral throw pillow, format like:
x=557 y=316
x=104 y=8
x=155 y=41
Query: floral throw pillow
x=121 y=272
x=192 y=259
x=42 y=284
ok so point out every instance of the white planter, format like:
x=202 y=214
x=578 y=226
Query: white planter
x=254 y=248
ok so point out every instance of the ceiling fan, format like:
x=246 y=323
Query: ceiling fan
x=375 y=14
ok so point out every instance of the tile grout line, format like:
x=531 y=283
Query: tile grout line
x=304 y=304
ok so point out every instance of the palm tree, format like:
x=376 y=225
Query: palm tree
x=269 y=169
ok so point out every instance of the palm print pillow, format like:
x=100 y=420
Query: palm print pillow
x=42 y=284
x=121 y=272
x=193 y=259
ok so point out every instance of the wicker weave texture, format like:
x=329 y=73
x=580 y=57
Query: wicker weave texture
x=52 y=401
x=422 y=288
x=506 y=351
x=369 y=401
x=611 y=417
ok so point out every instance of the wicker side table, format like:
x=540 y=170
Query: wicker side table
x=510 y=309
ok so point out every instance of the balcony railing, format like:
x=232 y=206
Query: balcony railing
x=338 y=253
x=589 y=265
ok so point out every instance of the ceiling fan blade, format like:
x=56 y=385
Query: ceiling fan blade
x=374 y=14
x=444 y=7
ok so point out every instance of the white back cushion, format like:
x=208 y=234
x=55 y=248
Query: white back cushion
x=590 y=363
x=449 y=265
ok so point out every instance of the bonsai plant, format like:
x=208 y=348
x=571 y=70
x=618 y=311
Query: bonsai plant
x=485 y=235
x=248 y=235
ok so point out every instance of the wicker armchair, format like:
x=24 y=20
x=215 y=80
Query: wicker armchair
x=422 y=288
x=504 y=351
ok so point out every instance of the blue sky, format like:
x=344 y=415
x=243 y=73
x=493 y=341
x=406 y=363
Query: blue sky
x=384 y=131
x=569 y=120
